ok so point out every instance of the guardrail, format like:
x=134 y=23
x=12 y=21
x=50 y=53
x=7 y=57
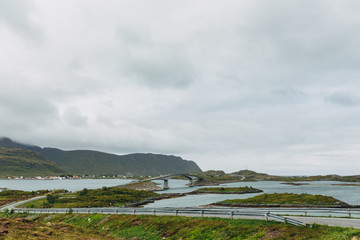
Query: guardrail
x=325 y=212
x=286 y=220
x=193 y=212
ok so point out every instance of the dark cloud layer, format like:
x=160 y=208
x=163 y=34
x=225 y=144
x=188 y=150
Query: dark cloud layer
x=267 y=85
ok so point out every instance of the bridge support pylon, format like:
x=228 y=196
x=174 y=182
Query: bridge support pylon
x=191 y=183
x=166 y=184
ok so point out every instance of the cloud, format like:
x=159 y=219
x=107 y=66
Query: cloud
x=263 y=85
x=24 y=108
x=153 y=62
x=17 y=16
x=343 y=99
x=73 y=116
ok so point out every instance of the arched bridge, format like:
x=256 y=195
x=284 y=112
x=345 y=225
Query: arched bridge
x=166 y=178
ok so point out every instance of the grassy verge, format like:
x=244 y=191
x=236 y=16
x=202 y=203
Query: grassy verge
x=286 y=199
x=104 y=197
x=100 y=226
x=29 y=227
x=234 y=190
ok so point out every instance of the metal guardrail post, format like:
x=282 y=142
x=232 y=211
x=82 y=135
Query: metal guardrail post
x=202 y=213
x=285 y=220
x=349 y=213
x=267 y=216
x=176 y=212
x=231 y=215
x=134 y=211
x=117 y=210
x=154 y=212
x=89 y=211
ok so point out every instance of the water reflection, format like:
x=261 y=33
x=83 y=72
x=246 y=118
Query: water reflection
x=70 y=185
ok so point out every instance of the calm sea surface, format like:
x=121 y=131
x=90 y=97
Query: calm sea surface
x=70 y=185
x=348 y=194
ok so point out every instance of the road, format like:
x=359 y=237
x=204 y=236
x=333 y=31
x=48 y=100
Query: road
x=342 y=222
x=13 y=205
x=236 y=213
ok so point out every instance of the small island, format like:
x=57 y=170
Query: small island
x=295 y=183
x=284 y=200
x=142 y=186
x=222 y=190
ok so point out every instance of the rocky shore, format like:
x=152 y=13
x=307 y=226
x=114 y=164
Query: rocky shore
x=143 y=186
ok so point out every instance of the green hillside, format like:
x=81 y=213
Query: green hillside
x=24 y=162
x=88 y=162
x=92 y=162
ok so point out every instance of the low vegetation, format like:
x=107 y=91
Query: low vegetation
x=222 y=190
x=8 y=196
x=21 y=227
x=286 y=199
x=103 y=197
x=100 y=226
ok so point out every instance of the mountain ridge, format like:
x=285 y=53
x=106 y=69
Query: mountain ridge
x=24 y=162
x=90 y=162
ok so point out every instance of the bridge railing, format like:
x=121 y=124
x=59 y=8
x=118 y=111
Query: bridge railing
x=193 y=212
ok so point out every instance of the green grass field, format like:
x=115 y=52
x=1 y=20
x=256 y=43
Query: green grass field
x=101 y=226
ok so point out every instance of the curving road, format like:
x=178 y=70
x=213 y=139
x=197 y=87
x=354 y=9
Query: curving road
x=14 y=204
x=237 y=213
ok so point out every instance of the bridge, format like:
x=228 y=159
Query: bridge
x=166 y=178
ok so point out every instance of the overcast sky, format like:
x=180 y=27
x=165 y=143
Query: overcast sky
x=272 y=86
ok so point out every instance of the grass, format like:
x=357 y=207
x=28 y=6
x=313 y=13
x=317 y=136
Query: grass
x=287 y=199
x=234 y=190
x=83 y=226
x=104 y=197
x=21 y=227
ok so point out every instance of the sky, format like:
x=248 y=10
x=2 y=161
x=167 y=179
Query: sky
x=271 y=86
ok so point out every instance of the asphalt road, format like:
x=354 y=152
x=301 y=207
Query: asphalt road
x=238 y=213
x=342 y=222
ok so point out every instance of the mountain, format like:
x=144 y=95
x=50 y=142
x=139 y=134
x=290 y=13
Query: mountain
x=89 y=162
x=24 y=162
x=93 y=162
